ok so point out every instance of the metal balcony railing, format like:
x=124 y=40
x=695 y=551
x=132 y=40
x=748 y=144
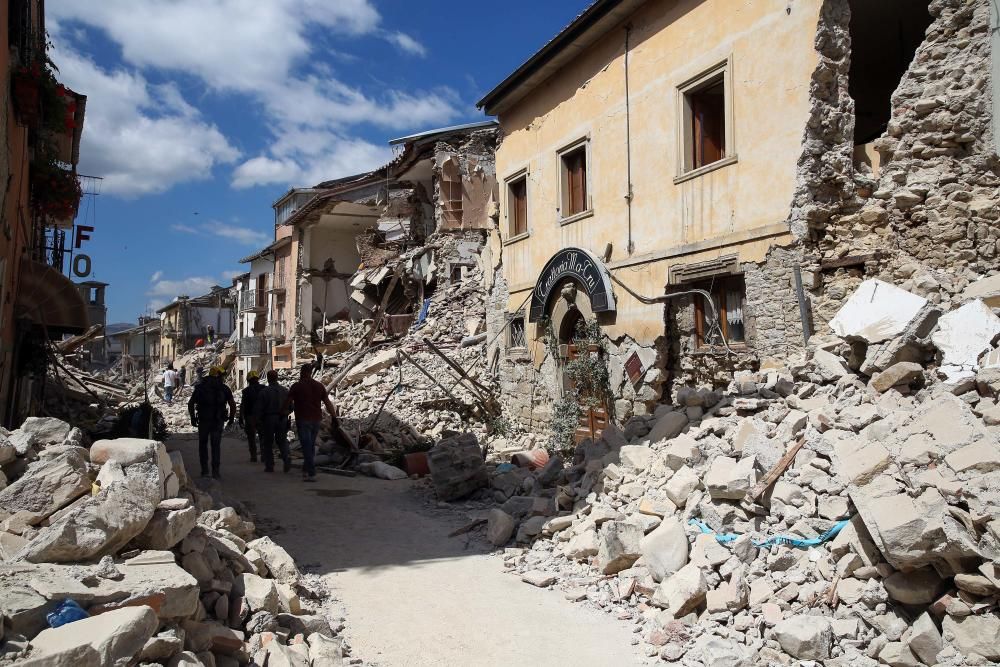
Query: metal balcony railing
x=253 y=346
x=275 y=330
x=253 y=300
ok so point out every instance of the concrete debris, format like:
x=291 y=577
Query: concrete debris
x=457 y=467
x=166 y=576
x=885 y=514
x=877 y=311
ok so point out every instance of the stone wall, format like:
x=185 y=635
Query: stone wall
x=931 y=213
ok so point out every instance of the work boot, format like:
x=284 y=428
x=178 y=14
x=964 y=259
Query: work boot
x=287 y=466
x=269 y=469
x=204 y=473
x=309 y=478
x=216 y=475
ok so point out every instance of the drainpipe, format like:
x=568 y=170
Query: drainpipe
x=630 y=246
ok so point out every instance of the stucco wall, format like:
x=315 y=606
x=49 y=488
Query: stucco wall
x=717 y=213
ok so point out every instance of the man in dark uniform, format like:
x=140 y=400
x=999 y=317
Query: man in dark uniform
x=272 y=419
x=248 y=412
x=208 y=411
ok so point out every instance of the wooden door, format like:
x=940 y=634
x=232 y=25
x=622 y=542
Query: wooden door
x=592 y=420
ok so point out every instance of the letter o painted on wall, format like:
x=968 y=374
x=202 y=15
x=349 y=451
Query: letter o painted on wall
x=79 y=271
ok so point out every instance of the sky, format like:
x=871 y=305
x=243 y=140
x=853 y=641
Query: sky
x=200 y=113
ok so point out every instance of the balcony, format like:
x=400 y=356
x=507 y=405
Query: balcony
x=278 y=282
x=253 y=301
x=253 y=346
x=275 y=330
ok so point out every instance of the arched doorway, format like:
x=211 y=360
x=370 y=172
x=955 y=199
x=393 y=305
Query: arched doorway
x=568 y=316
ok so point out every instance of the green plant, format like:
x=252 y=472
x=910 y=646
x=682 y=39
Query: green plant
x=588 y=372
x=566 y=415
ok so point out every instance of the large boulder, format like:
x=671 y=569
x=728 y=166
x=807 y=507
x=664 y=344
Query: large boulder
x=281 y=565
x=805 y=637
x=102 y=525
x=40 y=432
x=167 y=528
x=666 y=427
x=500 y=527
x=974 y=635
x=457 y=467
x=47 y=486
x=964 y=334
x=682 y=592
x=155 y=574
x=117 y=635
x=618 y=546
x=665 y=550
x=729 y=479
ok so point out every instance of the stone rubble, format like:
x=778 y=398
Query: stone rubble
x=662 y=521
x=167 y=575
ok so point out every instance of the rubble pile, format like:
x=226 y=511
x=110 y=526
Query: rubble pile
x=162 y=573
x=386 y=401
x=841 y=508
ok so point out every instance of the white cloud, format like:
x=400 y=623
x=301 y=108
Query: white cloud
x=142 y=139
x=229 y=275
x=171 y=289
x=269 y=55
x=407 y=43
x=156 y=276
x=223 y=230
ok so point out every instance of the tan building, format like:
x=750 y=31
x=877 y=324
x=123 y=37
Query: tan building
x=655 y=147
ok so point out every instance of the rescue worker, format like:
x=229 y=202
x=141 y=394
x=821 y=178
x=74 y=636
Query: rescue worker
x=208 y=411
x=272 y=418
x=248 y=412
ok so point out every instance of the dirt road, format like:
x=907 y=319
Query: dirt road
x=413 y=595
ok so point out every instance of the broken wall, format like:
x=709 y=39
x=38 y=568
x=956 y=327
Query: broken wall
x=465 y=181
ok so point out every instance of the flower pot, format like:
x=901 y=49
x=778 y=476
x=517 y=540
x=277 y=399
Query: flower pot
x=532 y=459
x=416 y=464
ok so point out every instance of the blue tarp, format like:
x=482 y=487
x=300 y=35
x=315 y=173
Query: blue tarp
x=777 y=539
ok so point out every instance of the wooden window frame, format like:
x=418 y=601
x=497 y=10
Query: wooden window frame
x=718 y=73
x=513 y=233
x=716 y=287
x=565 y=193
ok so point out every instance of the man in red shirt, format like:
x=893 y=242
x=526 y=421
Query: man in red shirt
x=307 y=398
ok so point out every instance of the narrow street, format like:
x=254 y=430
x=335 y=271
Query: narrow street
x=414 y=596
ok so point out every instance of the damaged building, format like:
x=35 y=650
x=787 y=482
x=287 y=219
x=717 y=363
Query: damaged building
x=367 y=247
x=190 y=322
x=709 y=202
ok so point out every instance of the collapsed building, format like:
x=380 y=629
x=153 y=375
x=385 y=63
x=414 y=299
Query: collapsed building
x=366 y=247
x=655 y=148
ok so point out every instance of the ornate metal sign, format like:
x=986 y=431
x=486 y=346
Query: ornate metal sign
x=583 y=269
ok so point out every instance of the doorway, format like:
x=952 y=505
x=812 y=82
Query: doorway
x=593 y=418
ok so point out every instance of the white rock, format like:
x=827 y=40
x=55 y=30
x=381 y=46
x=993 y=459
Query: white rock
x=974 y=634
x=116 y=635
x=635 y=457
x=281 y=565
x=680 y=485
x=682 y=592
x=499 y=527
x=618 y=546
x=665 y=550
x=877 y=311
x=805 y=637
x=730 y=479
x=925 y=639
x=964 y=334
x=259 y=593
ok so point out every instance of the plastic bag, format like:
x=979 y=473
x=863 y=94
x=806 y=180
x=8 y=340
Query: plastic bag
x=67 y=612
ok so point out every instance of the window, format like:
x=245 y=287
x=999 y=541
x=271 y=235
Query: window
x=574 y=181
x=517 y=206
x=729 y=296
x=456 y=273
x=516 y=336
x=706 y=107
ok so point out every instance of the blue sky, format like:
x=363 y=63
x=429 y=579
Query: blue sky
x=200 y=113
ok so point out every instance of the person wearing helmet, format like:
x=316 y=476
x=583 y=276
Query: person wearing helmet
x=248 y=411
x=208 y=410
